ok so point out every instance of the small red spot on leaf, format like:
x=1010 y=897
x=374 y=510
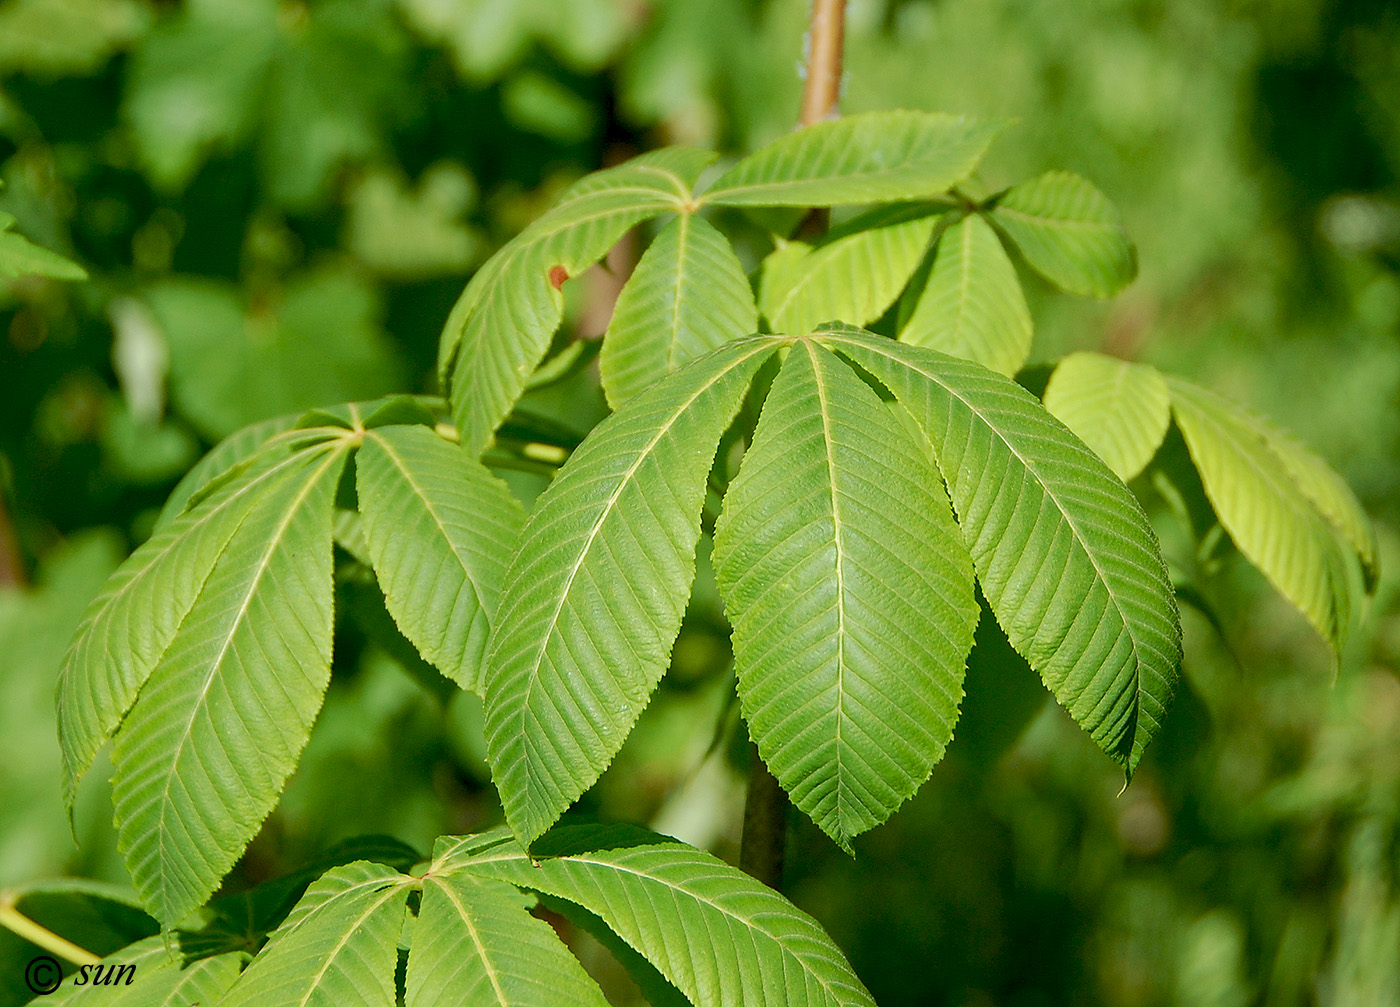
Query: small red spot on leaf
x=557 y=276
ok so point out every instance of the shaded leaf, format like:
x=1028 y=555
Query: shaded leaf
x=850 y=593
x=972 y=306
x=687 y=295
x=438 y=528
x=1070 y=233
x=1121 y=410
x=868 y=158
x=595 y=592
x=1064 y=553
x=21 y=257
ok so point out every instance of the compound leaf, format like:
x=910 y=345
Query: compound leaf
x=595 y=592
x=687 y=295
x=850 y=593
x=972 y=306
x=502 y=324
x=1064 y=552
x=1070 y=233
x=218 y=727
x=870 y=158
x=337 y=949
x=1272 y=521
x=476 y=945
x=439 y=529
x=1121 y=410
x=716 y=934
x=853 y=276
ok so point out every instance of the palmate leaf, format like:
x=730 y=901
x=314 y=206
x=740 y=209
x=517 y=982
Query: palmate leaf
x=853 y=276
x=850 y=593
x=217 y=729
x=1070 y=233
x=1064 y=553
x=438 y=528
x=1120 y=409
x=337 y=949
x=595 y=592
x=502 y=324
x=716 y=934
x=233 y=451
x=687 y=295
x=476 y=945
x=131 y=623
x=972 y=306
x=1271 y=520
x=870 y=158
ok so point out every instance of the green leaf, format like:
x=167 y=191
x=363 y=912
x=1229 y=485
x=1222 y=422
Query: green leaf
x=1119 y=409
x=476 y=944
x=852 y=277
x=687 y=295
x=131 y=623
x=719 y=936
x=972 y=306
x=155 y=978
x=502 y=324
x=850 y=593
x=1070 y=233
x=337 y=949
x=1272 y=521
x=596 y=589
x=206 y=749
x=21 y=257
x=439 y=529
x=1065 y=555
x=869 y=158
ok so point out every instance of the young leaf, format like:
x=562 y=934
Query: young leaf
x=501 y=326
x=972 y=306
x=1270 y=519
x=595 y=592
x=216 y=731
x=438 y=528
x=850 y=593
x=854 y=277
x=1070 y=233
x=21 y=257
x=131 y=623
x=719 y=936
x=1119 y=409
x=337 y=949
x=871 y=158
x=1064 y=553
x=687 y=295
x=476 y=944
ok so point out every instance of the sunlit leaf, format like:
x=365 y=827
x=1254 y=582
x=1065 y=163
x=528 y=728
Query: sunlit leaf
x=1120 y=409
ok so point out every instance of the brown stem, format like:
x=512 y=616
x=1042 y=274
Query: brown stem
x=821 y=97
x=11 y=562
x=764 y=846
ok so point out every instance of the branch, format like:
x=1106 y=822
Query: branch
x=821 y=97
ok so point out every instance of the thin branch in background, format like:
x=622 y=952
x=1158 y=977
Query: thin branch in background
x=821 y=97
x=11 y=562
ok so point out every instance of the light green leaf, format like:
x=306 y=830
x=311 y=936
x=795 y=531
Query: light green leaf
x=1065 y=555
x=850 y=593
x=687 y=295
x=337 y=949
x=1271 y=520
x=869 y=158
x=145 y=974
x=502 y=324
x=599 y=582
x=972 y=306
x=131 y=623
x=1121 y=410
x=719 y=936
x=1070 y=233
x=21 y=257
x=852 y=277
x=439 y=529
x=476 y=945
x=206 y=749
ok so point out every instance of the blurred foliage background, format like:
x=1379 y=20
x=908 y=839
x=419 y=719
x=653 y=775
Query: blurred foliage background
x=279 y=201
